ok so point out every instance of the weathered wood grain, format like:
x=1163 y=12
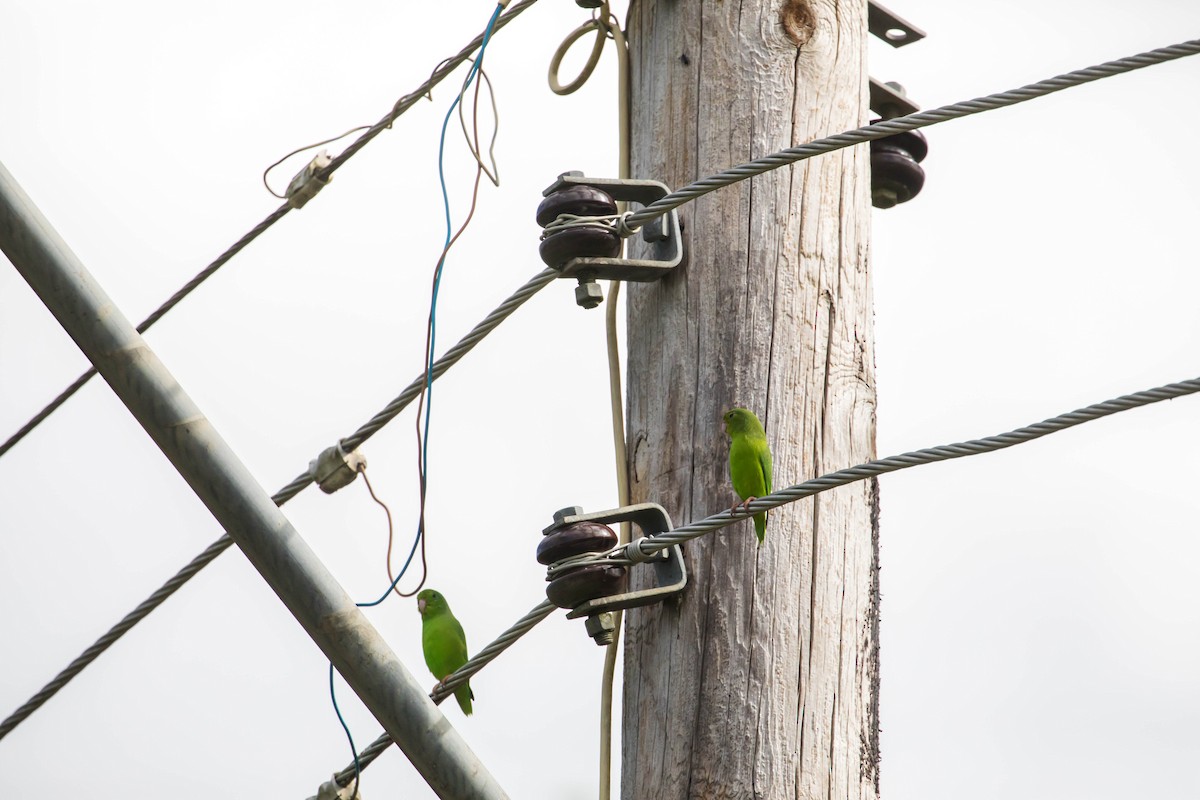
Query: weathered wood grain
x=762 y=681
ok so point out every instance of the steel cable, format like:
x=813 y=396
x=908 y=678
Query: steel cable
x=653 y=544
x=646 y=547
x=921 y=119
x=447 y=687
x=402 y=105
x=294 y=488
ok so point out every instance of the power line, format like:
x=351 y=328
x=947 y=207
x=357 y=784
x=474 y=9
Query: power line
x=403 y=104
x=922 y=119
x=366 y=431
x=145 y=325
x=644 y=548
x=656 y=543
x=653 y=544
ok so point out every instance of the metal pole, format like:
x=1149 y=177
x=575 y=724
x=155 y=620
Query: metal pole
x=240 y=505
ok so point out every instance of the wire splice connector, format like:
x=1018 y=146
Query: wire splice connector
x=331 y=790
x=335 y=468
x=307 y=183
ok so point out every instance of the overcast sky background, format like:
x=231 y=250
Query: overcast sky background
x=1041 y=606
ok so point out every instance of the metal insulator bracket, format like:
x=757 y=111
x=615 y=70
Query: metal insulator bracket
x=890 y=27
x=888 y=100
x=670 y=574
x=663 y=234
x=335 y=468
x=307 y=183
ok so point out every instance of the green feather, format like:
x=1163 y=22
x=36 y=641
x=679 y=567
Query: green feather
x=749 y=460
x=444 y=642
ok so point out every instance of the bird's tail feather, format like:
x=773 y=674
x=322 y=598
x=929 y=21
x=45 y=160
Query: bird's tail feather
x=464 y=696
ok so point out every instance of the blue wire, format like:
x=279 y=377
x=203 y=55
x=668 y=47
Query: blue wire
x=487 y=34
x=346 y=728
x=399 y=574
x=437 y=280
x=437 y=277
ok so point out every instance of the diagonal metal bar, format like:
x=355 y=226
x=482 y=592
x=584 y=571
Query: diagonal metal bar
x=298 y=484
x=232 y=495
x=446 y=688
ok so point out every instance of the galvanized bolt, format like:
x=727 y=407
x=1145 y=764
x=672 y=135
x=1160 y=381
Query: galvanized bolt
x=588 y=293
x=602 y=628
x=656 y=230
x=569 y=511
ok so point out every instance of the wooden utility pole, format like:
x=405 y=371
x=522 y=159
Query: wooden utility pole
x=762 y=681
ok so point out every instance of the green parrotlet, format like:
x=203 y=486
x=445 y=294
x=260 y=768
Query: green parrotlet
x=444 y=642
x=749 y=461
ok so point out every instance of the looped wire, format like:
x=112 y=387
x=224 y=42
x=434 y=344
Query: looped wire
x=617 y=224
x=622 y=225
x=613 y=558
x=564 y=221
x=267 y=171
x=493 y=174
x=601 y=23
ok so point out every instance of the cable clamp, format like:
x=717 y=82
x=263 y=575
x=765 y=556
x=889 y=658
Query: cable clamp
x=634 y=553
x=308 y=181
x=335 y=468
x=329 y=790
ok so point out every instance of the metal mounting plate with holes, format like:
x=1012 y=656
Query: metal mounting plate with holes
x=670 y=574
x=662 y=235
x=891 y=28
x=888 y=103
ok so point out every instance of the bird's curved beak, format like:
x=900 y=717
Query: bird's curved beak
x=420 y=606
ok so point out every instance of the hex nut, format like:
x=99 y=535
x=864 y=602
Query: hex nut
x=588 y=294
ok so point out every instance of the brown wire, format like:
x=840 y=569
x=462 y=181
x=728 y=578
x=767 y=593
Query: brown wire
x=479 y=172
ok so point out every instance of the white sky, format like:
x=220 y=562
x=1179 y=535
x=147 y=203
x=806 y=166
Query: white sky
x=1041 y=606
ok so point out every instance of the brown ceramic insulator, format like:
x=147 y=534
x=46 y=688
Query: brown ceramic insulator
x=586 y=583
x=573 y=540
x=895 y=176
x=585 y=201
x=912 y=142
x=559 y=248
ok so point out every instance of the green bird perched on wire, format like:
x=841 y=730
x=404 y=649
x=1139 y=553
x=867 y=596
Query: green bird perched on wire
x=749 y=461
x=444 y=643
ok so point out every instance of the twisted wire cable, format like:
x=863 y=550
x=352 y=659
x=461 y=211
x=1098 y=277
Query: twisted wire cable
x=285 y=494
x=409 y=100
x=454 y=680
x=116 y=632
x=921 y=119
x=145 y=324
x=645 y=548
x=405 y=103
x=451 y=357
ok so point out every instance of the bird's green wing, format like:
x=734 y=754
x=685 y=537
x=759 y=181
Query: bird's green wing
x=764 y=460
x=445 y=647
x=444 y=643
